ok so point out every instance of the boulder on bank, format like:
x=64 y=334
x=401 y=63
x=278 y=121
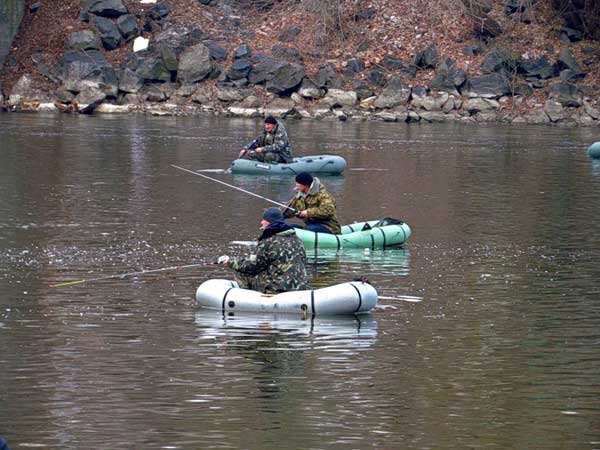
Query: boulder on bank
x=79 y=69
x=128 y=27
x=566 y=94
x=286 y=79
x=107 y=8
x=109 y=32
x=536 y=68
x=83 y=40
x=448 y=78
x=194 y=64
x=488 y=86
x=394 y=94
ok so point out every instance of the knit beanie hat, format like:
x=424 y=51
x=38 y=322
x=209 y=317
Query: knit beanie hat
x=271 y=119
x=272 y=214
x=304 y=178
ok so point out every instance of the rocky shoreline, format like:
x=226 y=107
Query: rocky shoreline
x=178 y=69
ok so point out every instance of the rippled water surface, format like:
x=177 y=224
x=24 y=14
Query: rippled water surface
x=489 y=336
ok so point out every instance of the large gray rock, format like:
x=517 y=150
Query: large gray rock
x=83 y=40
x=194 y=64
x=152 y=68
x=263 y=68
x=536 y=68
x=130 y=82
x=426 y=59
x=554 y=110
x=448 y=78
x=476 y=105
x=89 y=98
x=394 y=94
x=21 y=91
x=308 y=89
x=290 y=54
x=242 y=52
x=169 y=57
x=178 y=38
x=327 y=77
x=240 y=68
x=566 y=60
x=499 y=61
x=11 y=14
x=108 y=8
x=566 y=94
x=338 y=97
x=128 y=26
x=286 y=79
x=217 y=52
x=79 y=69
x=108 y=31
x=489 y=86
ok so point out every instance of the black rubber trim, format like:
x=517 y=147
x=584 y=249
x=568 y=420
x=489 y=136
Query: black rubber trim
x=339 y=244
x=403 y=234
x=351 y=229
x=359 y=298
x=312 y=301
x=225 y=298
x=316 y=240
x=372 y=241
x=384 y=238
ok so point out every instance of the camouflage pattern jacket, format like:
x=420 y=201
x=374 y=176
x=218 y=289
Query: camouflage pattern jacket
x=320 y=207
x=279 y=264
x=275 y=142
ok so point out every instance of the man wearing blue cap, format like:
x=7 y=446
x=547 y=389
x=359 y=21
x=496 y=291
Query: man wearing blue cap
x=272 y=146
x=279 y=264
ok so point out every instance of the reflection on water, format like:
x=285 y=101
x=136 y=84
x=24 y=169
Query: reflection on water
x=501 y=352
x=287 y=331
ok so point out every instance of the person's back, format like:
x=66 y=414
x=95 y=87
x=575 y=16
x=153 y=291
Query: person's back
x=286 y=267
x=279 y=263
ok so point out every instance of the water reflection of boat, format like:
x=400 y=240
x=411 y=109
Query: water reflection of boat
x=345 y=331
x=392 y=259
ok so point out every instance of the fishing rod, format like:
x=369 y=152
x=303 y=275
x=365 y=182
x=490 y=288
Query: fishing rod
x=406 y=298
x=235 y=187
x=129 y=274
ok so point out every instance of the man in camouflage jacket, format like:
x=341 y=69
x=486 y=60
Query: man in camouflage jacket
x=313 y=204
x=272 y=146
x=279 y=264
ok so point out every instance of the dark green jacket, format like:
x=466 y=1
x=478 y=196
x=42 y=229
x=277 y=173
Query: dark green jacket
x=279 y=264
x=275 y=142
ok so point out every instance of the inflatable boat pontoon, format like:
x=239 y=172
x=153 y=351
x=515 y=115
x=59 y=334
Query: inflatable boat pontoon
x=329 y=164
x=346 y=298
x=373 y=234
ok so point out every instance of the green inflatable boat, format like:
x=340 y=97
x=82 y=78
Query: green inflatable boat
x=330 y=164
x=594 y=150
x=373 y=234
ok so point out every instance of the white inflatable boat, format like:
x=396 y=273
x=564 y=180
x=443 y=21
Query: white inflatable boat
x=346 y=298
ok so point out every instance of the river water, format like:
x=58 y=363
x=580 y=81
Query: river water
x=492 y=341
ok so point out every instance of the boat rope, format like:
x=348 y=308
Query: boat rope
x=235 y=187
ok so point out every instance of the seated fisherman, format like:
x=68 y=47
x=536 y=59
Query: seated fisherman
x=279 y=264
x=313 y=204
x=272 y=146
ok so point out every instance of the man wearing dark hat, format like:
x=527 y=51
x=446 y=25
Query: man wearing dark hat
x=272 y=146
x=314 y=205
x=279 y=264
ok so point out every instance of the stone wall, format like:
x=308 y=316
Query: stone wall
x=11 y=14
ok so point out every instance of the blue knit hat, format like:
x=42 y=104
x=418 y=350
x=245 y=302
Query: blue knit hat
x=272 y=214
